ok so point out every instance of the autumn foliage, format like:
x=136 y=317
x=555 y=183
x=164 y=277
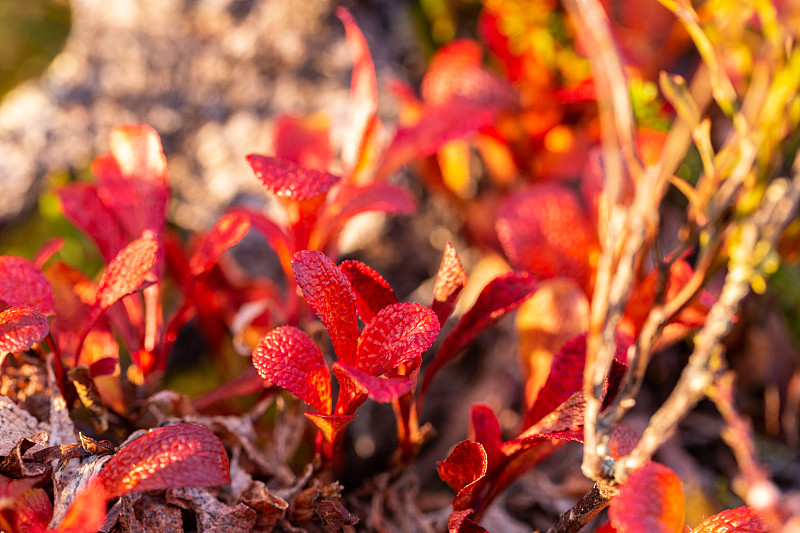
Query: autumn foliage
x=110 y=446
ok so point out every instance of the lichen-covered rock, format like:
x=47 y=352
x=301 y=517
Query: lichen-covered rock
x=208 y=75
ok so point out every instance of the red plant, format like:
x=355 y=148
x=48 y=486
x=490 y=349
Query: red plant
x=556 y=416
x=125 y=214
x=395 y=335
x=383 y=361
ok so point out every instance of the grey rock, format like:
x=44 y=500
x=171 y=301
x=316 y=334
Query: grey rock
x=209 y=75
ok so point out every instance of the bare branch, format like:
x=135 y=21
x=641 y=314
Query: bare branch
x=758 y=232
x=583 y=511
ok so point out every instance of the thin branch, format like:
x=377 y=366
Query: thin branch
x=623 y=234
x=583 y=511
x=759 y=231
x=757 y=488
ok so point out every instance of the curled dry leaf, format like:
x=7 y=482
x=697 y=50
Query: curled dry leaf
x=21 y=328
x=17 y=423
x=183 y=455
x=650 y=501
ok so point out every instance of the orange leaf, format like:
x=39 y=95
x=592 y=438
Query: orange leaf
x=650 y=501
x=738 y=520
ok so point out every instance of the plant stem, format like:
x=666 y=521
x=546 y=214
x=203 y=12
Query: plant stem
x=583 y=511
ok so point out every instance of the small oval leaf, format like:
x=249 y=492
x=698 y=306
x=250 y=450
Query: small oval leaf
x=289 y=358
x=373 y=293
x=466 y=464
x=21 y=328
x=126 y=272
x=226 y=233
x=650 y=501
x=738 y=520
x=330 y=295
x=398 y=333
x=24 y=285
x=288 y=180
x=184 y=455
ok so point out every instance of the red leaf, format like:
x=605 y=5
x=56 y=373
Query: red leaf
x=133 y=180
x=33 y=510
x=465 y=465
x=356 y=382
x=24 y=285
x=449 y=282
x=501 y=295
x=21 y=328
x=398 y=333
x=373 y=293
x=304 y=140
x=564 y=379
x=275 y=236
x=363 y=102
x=643 y=295
x=566 y=376
x=738 y=520
x=87 y=512
x=606 y=528
x=459 y=522
x=456 y=69
x=545 y=231
x=105 y=366
x=650 y=501
x=289 y=358
x=47 y=251
x=226 y=233
x=82 y=205
x=184 y=455
x=288 y=180
x=331 y=297
x=484 y=428
x=126 y=272
x=137 y=150
x=373 y=197
x=455 y=119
